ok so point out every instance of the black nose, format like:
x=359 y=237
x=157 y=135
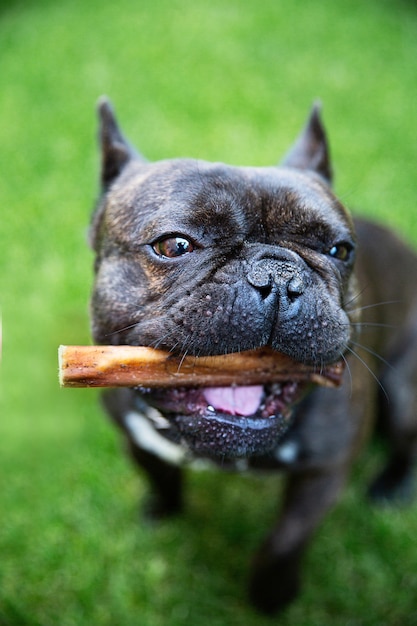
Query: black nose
x=274 y=278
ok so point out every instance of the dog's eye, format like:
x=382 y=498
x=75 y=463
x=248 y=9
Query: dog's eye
x=172 y=247
x=341 y=251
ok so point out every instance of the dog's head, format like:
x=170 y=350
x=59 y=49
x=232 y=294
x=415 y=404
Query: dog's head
x=204 y=258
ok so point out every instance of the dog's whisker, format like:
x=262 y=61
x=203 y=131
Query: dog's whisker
x=371 y=306
x=181 y=361
x=349 y=372
x=371 y=325
x=374 y=376
x=373 y=353
x=356 y=297
x=121 y=330
x=158 y=342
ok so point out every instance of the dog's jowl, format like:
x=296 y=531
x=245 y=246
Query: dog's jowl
x=201 y=258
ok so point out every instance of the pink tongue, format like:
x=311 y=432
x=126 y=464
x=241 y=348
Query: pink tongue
x=235 y=400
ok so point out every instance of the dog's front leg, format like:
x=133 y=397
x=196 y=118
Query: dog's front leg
x=166 y=481
x=275 y=578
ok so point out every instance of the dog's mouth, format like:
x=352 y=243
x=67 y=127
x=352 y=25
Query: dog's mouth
x=228 y=422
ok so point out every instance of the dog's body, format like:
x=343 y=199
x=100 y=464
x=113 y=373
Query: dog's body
x=202 y=259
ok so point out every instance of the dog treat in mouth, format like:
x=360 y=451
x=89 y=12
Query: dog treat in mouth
x=134 y=366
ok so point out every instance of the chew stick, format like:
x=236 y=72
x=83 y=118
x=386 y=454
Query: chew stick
x=131 y=366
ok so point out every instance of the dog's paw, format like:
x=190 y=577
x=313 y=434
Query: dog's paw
x=274 y=585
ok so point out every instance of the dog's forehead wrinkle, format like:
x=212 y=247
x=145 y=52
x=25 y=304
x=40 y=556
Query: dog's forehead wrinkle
x=215 y=194
x=285 y=192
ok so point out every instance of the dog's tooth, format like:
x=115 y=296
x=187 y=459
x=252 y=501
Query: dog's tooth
x=211 y=408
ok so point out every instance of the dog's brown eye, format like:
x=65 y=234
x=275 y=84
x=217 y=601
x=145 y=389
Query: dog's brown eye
x=341 y=251
x=172 y=247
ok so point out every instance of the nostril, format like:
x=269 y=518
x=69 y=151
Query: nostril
x=265 y=291
x=280 y=279
x=260 y=278
x=295 y=288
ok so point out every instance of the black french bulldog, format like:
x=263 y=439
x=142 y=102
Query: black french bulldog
x=203 y=258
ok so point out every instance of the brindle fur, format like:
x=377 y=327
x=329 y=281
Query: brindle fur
x=256 y=223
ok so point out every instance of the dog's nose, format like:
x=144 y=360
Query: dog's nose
x=277 y=278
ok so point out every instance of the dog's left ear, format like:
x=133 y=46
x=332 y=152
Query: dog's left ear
x=311 y=149
x=115 y=150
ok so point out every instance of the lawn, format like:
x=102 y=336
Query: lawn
x=230 y=81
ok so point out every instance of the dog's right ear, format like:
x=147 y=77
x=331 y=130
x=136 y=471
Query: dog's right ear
x=115 y=150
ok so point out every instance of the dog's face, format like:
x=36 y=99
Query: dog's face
x=202 y=259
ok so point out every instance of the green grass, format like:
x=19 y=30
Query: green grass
x=229 y=81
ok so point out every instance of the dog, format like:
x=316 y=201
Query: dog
x=201 y=258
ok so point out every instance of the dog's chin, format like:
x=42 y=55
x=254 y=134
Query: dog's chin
x=227 y=422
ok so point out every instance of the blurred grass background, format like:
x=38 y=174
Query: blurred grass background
x=229 y=81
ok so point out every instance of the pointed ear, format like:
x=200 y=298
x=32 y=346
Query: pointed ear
x=115 y=150
x=311 y=150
